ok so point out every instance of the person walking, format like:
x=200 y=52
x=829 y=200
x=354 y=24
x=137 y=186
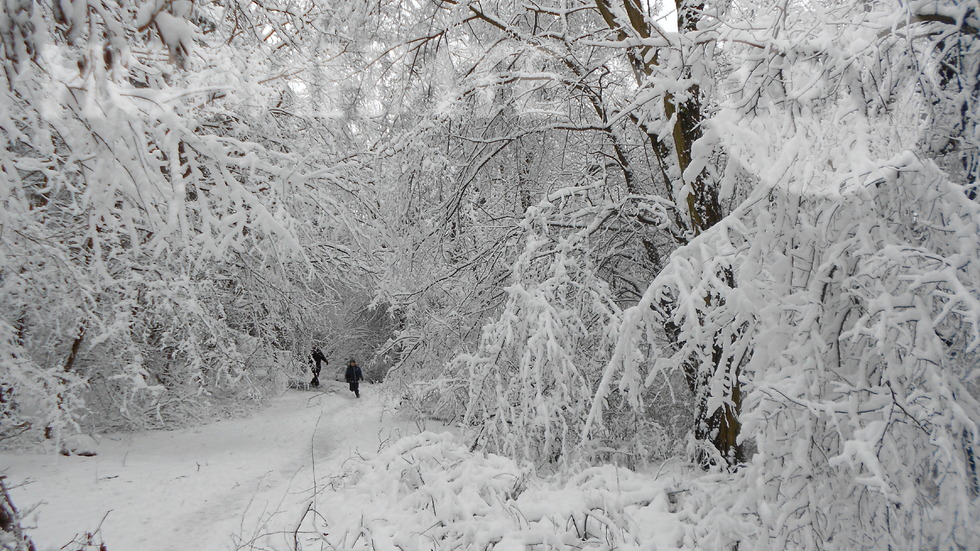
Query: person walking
x=353 y=376
x=316 y=356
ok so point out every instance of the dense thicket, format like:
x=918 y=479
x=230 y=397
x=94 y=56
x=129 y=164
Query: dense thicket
x=816 y=165
x=165 y=230
x=592 y=232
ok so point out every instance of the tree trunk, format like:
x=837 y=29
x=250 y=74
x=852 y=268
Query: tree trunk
x=721 y=427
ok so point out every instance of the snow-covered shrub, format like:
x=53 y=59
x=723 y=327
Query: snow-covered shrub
x=532 y=378
x=429 y=492
x=12 y=534
x=863 y=378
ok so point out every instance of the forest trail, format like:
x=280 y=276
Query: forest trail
x=201 y=487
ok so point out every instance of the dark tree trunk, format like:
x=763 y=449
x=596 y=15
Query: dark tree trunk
x=720 y=427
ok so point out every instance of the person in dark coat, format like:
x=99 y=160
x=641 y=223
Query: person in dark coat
x=316 y=356
x=353 y=376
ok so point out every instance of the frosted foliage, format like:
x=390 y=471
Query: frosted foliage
x=856 y=325
x=427 y=492
x=533 y=376
x=836 y=311
x=142 y=221
x=864 y=373
x=537 y=367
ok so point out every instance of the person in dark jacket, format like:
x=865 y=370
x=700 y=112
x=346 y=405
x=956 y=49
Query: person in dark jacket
x=316 y=356
x=353 y=376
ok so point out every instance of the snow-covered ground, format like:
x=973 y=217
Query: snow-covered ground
x=199 y=487
x=323 y=470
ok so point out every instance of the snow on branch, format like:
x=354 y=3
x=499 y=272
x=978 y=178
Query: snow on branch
x=855 y=321
x=427 y=491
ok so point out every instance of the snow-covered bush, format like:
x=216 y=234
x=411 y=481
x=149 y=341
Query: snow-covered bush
x=429 y=492
x=12 y=534
x=537 y=367
x=533 y=376
x=863 y=377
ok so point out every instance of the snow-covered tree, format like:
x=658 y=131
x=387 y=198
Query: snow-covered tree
x=586 y=82
x=842 y=294
x=162 y=226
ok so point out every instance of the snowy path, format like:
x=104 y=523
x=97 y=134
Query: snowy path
x=199 y=488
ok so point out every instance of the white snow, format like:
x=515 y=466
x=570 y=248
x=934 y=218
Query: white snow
x=197 y=488
x=323 y=470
